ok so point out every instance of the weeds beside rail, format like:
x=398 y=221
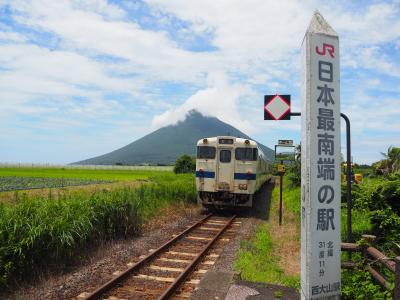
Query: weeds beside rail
x=39 y=231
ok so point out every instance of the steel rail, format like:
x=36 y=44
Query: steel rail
x=112 y=282
x=179 y=280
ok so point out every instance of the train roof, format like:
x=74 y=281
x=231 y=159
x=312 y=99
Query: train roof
x=214 y=141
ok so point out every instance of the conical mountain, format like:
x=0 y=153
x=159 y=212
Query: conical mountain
x=166 y=144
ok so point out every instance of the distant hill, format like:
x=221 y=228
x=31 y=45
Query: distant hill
x=164 y=145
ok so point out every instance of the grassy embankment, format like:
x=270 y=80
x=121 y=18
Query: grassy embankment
x=273 y=254
x=39 y=230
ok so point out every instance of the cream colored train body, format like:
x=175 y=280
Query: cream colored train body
x=229 y=170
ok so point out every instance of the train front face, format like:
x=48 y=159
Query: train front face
x=226 y=171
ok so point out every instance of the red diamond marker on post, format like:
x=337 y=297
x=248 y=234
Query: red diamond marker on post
x=277 y=107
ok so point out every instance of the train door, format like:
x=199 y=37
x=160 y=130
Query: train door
x=225 y=169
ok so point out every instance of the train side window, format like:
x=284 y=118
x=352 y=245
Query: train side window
x=225 y=156
x=206 y=152
x=255 y=154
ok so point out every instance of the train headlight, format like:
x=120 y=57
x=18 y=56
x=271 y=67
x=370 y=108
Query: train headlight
x=205 y=141
x=242 y=186
x=247 y=142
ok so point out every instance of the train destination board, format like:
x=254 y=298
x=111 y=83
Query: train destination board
x=277 y=107
x=320 y=162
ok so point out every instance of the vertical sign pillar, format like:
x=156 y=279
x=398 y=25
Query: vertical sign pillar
x=320 y=163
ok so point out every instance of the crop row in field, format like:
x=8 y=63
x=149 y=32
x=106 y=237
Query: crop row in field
x=13 y=183
x=43 y=230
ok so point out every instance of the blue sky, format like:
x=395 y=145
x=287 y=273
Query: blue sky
x=81 y=78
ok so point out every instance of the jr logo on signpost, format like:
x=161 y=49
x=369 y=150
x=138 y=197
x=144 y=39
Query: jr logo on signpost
x=320 y=212
x=326 y=48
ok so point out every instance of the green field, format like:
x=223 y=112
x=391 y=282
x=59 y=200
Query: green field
x=14 y=183
x=84 y=173
x=25 y=178
x=56 y=226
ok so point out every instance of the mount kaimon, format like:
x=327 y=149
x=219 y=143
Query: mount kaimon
x=165 y=145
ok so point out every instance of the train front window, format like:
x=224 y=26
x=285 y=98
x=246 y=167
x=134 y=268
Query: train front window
x=206 y=152
x=246 y=154
x=225 y=156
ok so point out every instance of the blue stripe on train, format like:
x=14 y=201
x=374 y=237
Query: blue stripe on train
x=205 y=174
x=245 y=176
x=237 y=176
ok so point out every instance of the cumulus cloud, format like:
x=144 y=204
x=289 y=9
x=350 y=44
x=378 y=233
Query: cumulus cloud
x=74 y=59
x=220 y=99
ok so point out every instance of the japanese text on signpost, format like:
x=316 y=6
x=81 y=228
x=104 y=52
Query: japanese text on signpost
x=320 y=274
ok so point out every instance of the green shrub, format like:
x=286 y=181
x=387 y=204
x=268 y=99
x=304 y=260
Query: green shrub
x=185 y=164
x=294 y=173
x=386 y=225
x=381 y=198
x=386 y=195
x=359 y=285
x=360 y=195
x=363 y=194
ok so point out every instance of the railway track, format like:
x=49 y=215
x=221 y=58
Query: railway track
x=171 y=271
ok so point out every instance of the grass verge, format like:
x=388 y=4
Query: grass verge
x=273 y=254
x=258 y=261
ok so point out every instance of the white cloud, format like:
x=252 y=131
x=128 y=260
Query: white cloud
x=90 y=32
x=263 y=35
x=219 y=98
x=64 y=67
x=102 y=7
x=9 y=36
x=372 y=58
x=369 y=25
x=92 y=49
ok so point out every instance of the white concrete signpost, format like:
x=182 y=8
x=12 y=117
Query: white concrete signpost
x=320 y=162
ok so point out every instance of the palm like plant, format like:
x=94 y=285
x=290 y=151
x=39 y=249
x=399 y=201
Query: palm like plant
x=392 y=159
x=297 y=156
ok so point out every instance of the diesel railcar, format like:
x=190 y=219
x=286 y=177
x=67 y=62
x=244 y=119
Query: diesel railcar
x=229 y=170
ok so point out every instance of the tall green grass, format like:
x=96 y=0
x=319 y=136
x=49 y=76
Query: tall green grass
x=291 y=196
x=39 y=231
